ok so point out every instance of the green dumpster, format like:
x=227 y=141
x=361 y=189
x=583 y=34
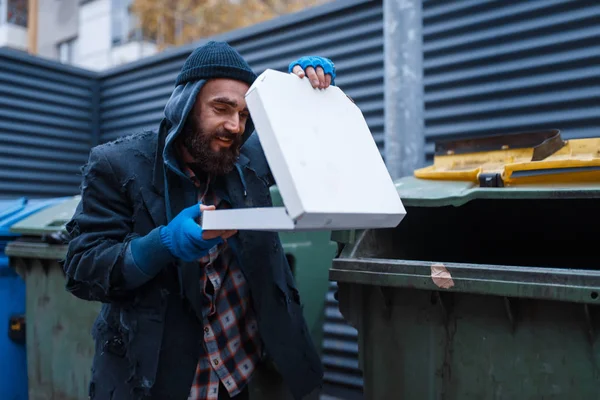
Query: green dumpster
x=484 y=291
x=309 y=255
x=58 y=341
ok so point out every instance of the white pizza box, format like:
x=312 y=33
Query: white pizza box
x=324 y=160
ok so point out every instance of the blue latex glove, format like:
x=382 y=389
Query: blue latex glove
x=315 y=61
x=183 y=236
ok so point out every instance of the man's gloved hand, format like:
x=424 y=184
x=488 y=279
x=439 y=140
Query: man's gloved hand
x=320 y=70
x=183 y=236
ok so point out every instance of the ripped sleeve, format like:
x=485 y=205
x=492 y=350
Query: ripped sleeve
x=100 y=231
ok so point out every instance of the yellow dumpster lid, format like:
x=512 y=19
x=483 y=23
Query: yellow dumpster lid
x=529 y=158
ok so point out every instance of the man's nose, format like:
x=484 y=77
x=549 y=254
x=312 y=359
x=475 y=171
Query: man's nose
x=234 y=125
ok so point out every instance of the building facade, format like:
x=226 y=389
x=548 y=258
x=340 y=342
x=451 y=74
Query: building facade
x=13 y=24
x=92 y=34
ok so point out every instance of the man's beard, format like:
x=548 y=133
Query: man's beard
x=198 y=144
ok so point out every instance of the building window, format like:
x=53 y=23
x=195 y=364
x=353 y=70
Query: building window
x=66 y=51
x=16 y=12
x=123 y=22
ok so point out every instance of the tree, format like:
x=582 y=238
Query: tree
x=176 y=22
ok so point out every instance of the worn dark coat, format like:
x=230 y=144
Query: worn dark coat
x=148 y=335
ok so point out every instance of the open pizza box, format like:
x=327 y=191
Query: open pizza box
x=323 y=158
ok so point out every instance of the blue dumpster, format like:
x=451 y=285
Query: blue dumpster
x=13 y=360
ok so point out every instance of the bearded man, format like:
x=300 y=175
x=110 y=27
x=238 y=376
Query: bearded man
x=189 y=313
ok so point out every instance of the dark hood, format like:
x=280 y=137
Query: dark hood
x=176 y=112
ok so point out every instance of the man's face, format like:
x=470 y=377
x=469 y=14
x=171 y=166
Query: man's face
x=213 y=132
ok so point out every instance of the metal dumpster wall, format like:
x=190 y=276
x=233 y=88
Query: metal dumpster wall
x=423 y=344
x=59 y=344
x=13 y=382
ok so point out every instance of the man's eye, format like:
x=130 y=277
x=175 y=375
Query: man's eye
x=220 y=109
x=244 y=115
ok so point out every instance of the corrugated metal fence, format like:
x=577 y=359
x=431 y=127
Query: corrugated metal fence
x=490 y=66
x=46 y=118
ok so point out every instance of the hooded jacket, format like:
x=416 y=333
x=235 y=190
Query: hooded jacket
x=148 y=335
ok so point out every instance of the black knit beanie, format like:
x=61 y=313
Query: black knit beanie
x=215 y=60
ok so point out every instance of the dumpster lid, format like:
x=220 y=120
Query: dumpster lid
x=49 y=220
x=13 y=211
x=11 y=207
x=417 y=192
x=321 y=153
x=516 y=159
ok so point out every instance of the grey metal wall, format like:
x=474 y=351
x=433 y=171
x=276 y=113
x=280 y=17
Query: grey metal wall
x=46 y=116
x=349 y=32
x=490 y=66
x=493 y=66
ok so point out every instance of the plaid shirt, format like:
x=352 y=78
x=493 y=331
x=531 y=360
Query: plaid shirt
x=231 y=340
